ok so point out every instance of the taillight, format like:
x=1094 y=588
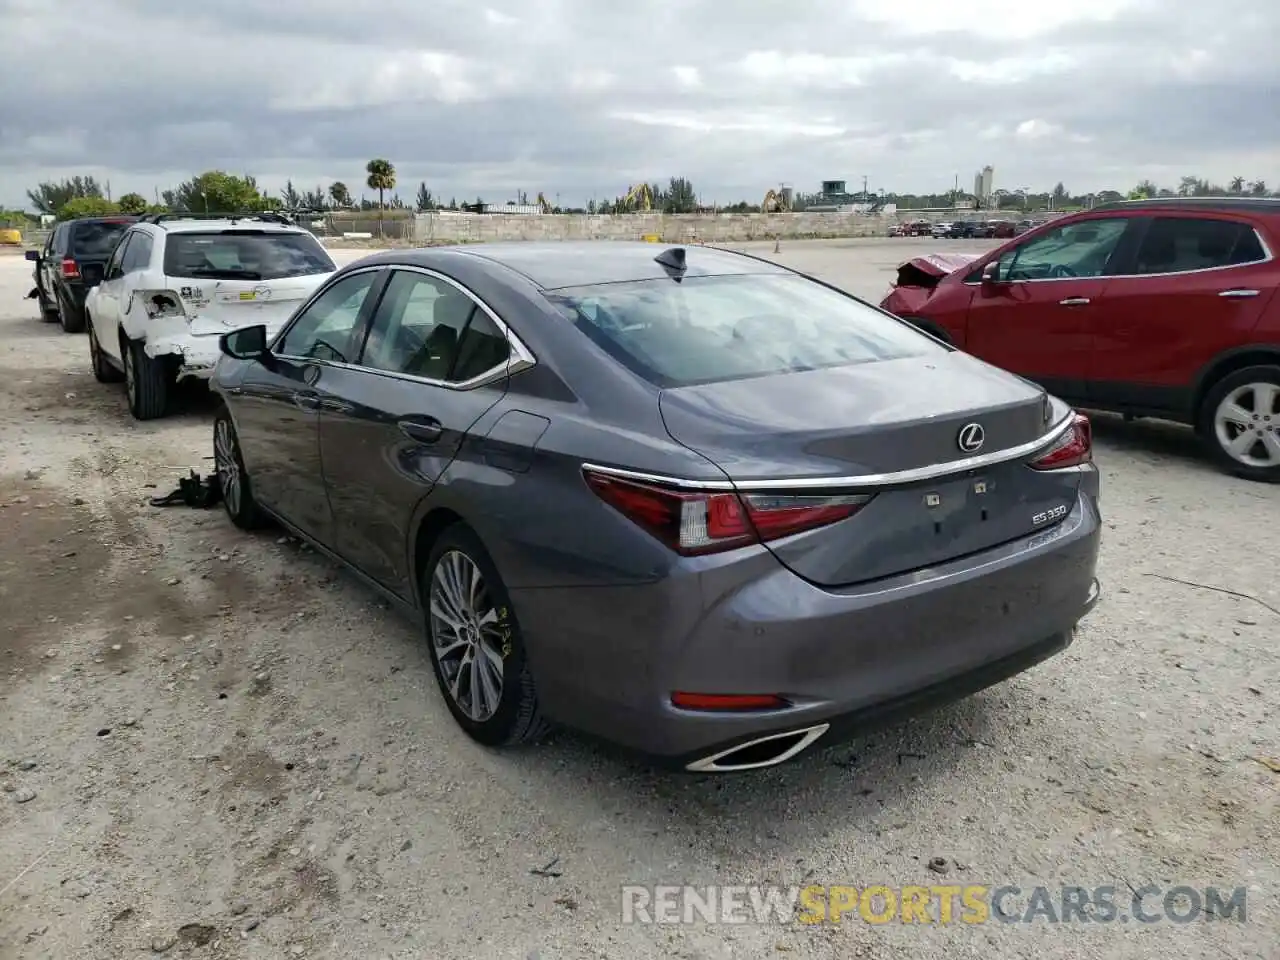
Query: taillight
x=70 y=269
x=693 y=522
x=1072 y=449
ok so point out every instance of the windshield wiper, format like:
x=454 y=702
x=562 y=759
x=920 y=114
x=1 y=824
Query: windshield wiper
x=226 y=274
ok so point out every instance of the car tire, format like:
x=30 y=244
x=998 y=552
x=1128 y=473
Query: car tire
x=1241 y=403
x=468 y=614
x=103 y=369
x=147 y=381
x=71 y=319
x=233 y=478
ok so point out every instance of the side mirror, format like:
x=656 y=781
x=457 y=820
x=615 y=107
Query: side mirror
x=33 y=256
x=991 y=272
x=247 y=343
x=91 y=274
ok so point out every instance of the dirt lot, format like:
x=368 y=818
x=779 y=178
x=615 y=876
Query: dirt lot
x=217 y=745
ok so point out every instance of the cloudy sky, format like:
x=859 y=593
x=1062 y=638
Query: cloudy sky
x=580 y=98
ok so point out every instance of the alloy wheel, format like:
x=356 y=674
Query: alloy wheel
x=226 y=465
x=468 y=636
x=1247 y=424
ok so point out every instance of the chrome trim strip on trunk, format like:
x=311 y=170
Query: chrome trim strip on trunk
x=712 y=763
x=860 y=481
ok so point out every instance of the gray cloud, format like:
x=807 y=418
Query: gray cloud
x=581 y=98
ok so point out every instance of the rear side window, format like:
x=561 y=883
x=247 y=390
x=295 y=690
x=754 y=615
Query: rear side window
x=138 y=256
x=428 y=328
x=244 y=255
x=95 y=239
x=1178 y=244
x=707 y=329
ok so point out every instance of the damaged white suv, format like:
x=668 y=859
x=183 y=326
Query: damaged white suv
x=175 y=283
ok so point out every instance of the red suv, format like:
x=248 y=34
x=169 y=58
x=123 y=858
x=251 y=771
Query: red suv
x=1159 y=308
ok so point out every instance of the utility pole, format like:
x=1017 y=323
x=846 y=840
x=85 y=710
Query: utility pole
x=864 y=186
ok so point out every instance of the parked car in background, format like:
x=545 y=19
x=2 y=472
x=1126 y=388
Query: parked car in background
x=940 y=231
x=70 y=263
x=964 y=230
x=175 y=283
x=582 y=465
x=920 y=228
x=1164 y=308
x=999 y=229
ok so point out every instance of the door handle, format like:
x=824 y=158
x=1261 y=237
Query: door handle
x=424 y=431
x=337 y=406
x=1074 y=302
x=1238 y=294
x=306 y=401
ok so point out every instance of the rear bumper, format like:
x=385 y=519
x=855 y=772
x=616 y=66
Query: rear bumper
x=847 y=658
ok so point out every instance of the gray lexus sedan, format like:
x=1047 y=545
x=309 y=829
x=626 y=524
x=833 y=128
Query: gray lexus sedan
x=686 y=500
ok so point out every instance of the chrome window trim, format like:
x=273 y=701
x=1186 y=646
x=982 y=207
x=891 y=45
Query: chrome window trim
x=1267 y=257
x=860 y=481
x=520 y=359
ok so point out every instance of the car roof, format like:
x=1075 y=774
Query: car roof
x=112 y=218
x=556 y=264
x=213 y=226
x=1263 y=205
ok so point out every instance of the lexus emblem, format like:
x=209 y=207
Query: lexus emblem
x=971 y=438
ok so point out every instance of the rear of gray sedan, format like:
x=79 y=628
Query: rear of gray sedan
x=883 y=524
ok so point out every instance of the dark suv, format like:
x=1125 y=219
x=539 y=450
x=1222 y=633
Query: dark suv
x=72 y=261
x=1160 y=308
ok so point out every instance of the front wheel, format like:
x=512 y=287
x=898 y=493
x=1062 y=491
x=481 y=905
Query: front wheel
x=476 y=646
x=103 y=370
x=1240 y=422
x=233 y=479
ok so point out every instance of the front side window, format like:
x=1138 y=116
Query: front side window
x=708 y=329
x=323 y=331
x=426 y=327
x=1179 y=244
x=1076 y=250
x=244 y=255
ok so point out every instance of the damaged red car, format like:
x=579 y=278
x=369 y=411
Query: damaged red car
x=1163 y=308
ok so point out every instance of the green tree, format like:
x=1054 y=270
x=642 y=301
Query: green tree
x=50 y=197
x=290 y=197
x=1237 y=185
x=1258 y=188
x=382 y=177
x=86 y=207
x=134 y=203
x=679 y=197
x=425 y=200
x=216 y=191
x=339 y=194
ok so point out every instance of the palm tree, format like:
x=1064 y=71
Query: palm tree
x=382 y=177
x=1237 y=185
x=340 y=194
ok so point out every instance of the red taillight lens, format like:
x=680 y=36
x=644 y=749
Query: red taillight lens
x=727 y=701
x=1074 y=448
x=693 y=522
x=70 y=269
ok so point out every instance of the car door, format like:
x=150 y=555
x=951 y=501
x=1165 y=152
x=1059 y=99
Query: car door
x=276 y=405
x=51 y=264
x=433 y=363
x=1034 y=320
x=1194 y=287
x=105 y=311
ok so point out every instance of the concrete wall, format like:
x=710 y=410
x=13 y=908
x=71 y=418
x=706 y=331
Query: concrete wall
x=478 y=228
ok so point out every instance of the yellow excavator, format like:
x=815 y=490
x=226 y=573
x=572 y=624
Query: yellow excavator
x=774 y=202
x=543 y=204
x=639 y=198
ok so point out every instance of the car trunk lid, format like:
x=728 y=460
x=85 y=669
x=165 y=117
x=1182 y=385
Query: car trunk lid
x=880 y=428
x=219 y=305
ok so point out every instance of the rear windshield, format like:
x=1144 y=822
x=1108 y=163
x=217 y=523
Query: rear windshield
x=707 y=329
x=244 y=255
x=95 y=239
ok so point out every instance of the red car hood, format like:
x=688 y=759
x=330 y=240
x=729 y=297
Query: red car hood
x=938 y=265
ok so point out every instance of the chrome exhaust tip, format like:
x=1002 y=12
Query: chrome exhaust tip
x=761 y=752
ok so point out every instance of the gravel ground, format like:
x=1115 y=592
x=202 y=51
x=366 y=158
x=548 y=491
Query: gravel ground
x=218 y=745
